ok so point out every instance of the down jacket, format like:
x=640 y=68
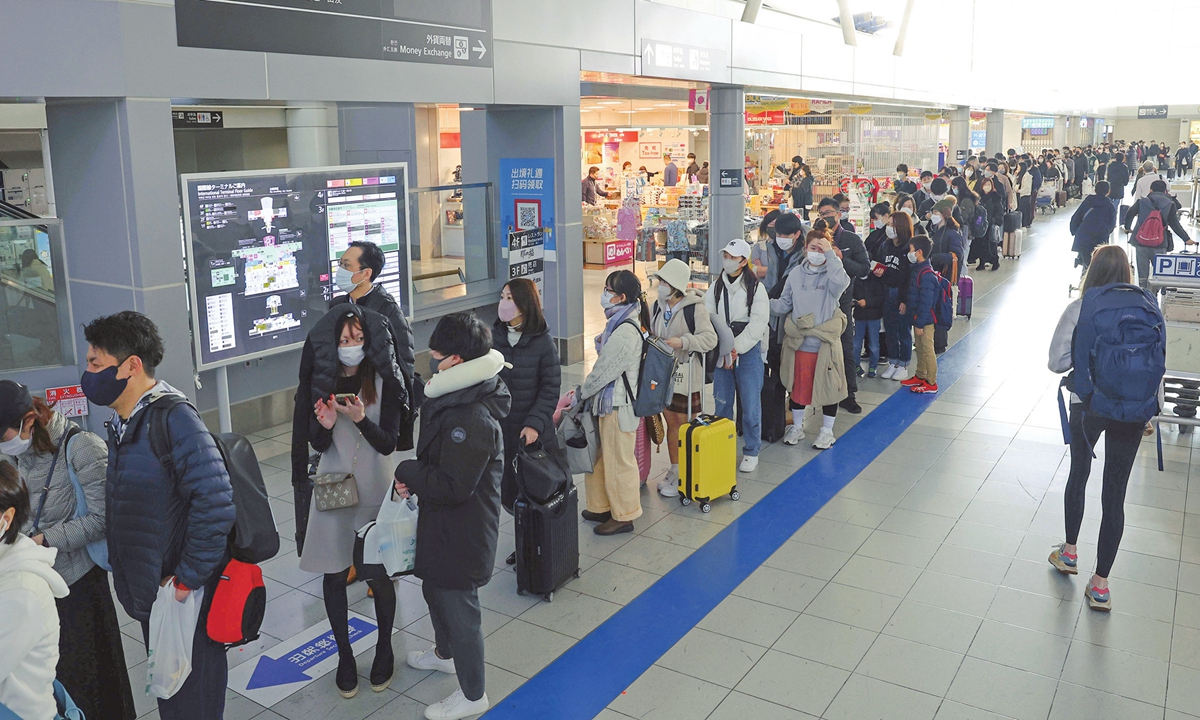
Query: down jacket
x=157 y=524
x=922 y=294
x=1092 y=223
x=533 y=381
x=456 y=474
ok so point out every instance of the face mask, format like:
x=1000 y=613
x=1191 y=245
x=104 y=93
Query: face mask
x=816 y=259
x=954 y=192
x=912 y=257
x=16 y=446
x=935 y=218
x=4 y=528
x=731 y=265
x=606 y=300
x=926 y=185
x=351 y=355
x=507 y=310
x=891 y=232
x=907 y=211
x=433 y=365
x=664 y=292
x=103 y=388
x=343 y=279
x=900 y=176
x=785 y=244
x=988 y=173
x=938 y=198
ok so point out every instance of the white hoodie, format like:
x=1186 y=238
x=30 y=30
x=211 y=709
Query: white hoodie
x=29 y=628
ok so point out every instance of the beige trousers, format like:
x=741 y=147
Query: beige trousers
x=614 y=484
x=926 y=358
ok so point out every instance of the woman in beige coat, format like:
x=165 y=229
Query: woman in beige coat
x=681 y=320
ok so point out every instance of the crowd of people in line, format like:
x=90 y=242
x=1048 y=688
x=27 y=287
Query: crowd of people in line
x=805 y=305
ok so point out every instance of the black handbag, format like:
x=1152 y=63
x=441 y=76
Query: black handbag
x=541 y=471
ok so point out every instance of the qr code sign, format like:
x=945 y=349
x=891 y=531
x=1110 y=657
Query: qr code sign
x=529 y=215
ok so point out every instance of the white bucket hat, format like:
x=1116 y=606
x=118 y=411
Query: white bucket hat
x=675 y=273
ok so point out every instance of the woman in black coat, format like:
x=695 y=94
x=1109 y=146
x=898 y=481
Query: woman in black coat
x=1092 y=223
x=534 y=380
x=991 y=196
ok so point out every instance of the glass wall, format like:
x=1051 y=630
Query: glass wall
x=33 y=305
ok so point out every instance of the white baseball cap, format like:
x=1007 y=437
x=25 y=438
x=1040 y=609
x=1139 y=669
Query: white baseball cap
x=737 y=248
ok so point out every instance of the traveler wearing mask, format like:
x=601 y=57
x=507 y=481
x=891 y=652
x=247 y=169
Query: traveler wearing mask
x=907 y=205
x=1118 y=177
x=800 y=185
x=1024 y=193
x=991 y=197
x=1159 y=200
x=812 y=366
x=350 y=413
x=1146 y=176
x=531 y=372
x=29 y=625
x=844 y=208
x=164 y=526
x=937 y=191
x=879 y=223
x=613 y=487
x=949 y=254
x=456 y=477
x=1092 y=224
x=921 y=194
x=902 y=184
x=91 y=657
x=856 y=264
x=893 y=256
x=681 y=320
x=1000 y=174
x=738 y=378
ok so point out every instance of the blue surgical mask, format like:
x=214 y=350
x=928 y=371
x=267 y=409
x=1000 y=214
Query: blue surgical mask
x=433 y=365
x=104 y=387
x=606 y=300
x=344 y=279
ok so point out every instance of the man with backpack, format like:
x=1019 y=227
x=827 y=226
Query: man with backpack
x=162 y=526
x=1155 y=215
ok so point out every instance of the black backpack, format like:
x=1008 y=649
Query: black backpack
x=255 y=538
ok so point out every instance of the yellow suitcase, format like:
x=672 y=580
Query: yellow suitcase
x=707 y=461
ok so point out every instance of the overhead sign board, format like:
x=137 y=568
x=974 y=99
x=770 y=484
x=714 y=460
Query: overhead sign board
x=424 y=31
x=1152 y=111
x=1037 y=123
x=672 y=59
x=197 y=119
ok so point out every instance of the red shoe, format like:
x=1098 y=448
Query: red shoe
x=924 y=387
x=912 y=381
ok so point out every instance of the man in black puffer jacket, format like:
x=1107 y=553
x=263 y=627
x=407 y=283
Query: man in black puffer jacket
x=161 y=526
x=456 y=477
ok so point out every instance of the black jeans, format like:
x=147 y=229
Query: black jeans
x=1121 y=441
x=848 y=358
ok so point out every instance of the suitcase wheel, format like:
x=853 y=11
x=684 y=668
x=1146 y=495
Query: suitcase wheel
x=684 y=500
x=549 y=596
x=520 y=591
x=705 y=508
x=735 y=495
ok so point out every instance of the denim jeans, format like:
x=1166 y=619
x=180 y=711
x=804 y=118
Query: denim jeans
x=748 y=377
x=871 y=329
x=899 y=330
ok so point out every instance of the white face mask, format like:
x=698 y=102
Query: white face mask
x=606 y=300
x=343 y=278
x=664 y=292
x=16 y=446
x=907 y=211
x=912 y=257
x=935 y=218
x=938 y=198
x=816 y=259
x=351 y=355
x=731 y=265
x=785 y=243
x=891 y=232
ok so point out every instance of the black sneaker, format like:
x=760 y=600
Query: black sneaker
x=511 y=559
x=347 y=677
x=850 y=405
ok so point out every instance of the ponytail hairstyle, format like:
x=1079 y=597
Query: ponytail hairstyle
x=624 y=282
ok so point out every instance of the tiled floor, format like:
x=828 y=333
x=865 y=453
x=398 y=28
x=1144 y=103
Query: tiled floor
x=921 y=591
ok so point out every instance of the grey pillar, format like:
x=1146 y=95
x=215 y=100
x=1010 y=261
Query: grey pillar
x=1058 y=136
x=995 y=132
x=312 y=133
x=960 y=134
x=116 y=191
x=727 y=133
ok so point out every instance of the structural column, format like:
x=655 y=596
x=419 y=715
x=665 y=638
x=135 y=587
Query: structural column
x=960 y=134
x=727 y=205
x=117 y=193
x=312 y=133
x=995 y=133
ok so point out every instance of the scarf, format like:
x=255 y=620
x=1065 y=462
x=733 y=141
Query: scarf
x=616 y=315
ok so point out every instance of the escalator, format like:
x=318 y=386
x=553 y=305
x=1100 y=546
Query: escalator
x=29 y=322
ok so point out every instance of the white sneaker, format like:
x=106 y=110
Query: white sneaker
x=793 y=435
x=749 y=464
x=825 y=439
x=429 y=660
x=889 y=371
x=669 y=486
x=457 y=706
x=900 y=374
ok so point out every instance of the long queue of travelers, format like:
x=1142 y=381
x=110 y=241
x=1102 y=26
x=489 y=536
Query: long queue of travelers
x=792 y=317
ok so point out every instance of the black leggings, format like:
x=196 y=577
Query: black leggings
x=333 y=587
x=828 y=410
x=1121 y=441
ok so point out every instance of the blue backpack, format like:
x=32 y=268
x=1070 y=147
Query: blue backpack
x=943 y=300
x=1119 y=353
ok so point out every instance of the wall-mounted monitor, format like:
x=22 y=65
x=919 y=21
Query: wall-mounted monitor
x=262 y=249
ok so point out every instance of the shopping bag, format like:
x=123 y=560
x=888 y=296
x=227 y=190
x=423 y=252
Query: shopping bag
x=396 y=534
x=578 y=436
x=172 y=628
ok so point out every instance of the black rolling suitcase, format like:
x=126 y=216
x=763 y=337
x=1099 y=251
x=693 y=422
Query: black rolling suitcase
x=773 y=399
x=547 y=543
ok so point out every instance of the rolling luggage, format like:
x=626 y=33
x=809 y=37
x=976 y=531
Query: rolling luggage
x=547 y=543
x=1121 y=214
x=1012 y=221
x=773 y=400
x=707 y=458
x=1060 y=198
x=966 y=292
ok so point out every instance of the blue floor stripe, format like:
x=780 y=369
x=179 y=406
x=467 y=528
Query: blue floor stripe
x=596 y=670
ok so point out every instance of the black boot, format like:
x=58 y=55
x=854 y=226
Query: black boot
x=347 y=674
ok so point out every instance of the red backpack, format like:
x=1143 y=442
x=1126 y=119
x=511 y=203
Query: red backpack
x=238 y=604
x=1151 y=232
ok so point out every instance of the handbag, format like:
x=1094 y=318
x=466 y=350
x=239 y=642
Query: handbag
x=578 y=437
x=540 y=471
x=333 y=491
x=656 y=429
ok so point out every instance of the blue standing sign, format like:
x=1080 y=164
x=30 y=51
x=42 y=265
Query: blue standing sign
x=527 y=199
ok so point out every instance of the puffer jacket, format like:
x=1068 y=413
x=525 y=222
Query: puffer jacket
x=533 y=381
x=69 y=535
x=456 y=475
x=1118 y=178
x=1092 y=223
x=703 y=339
x=922 y=294
x=159 y=525
x=948 y=246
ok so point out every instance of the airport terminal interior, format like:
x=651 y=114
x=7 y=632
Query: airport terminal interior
x=965 y=233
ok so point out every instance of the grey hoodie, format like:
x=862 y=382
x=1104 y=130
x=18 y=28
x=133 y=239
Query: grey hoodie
x=29 y=628
x=813 y=291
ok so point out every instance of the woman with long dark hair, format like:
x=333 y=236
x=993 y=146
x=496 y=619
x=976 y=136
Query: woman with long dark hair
x=613 y=487
x=52 y=455
x=1023 y=184
x=892 y=254
x=533 y=376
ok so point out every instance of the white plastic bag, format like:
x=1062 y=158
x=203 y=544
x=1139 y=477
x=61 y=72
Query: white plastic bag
x=396 y=534
x=172 y=627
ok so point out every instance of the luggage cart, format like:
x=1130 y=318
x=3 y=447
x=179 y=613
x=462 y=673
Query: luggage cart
x=1173 y=278
x=1045 y=199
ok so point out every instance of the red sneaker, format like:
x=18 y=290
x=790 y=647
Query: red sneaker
x=924 y=387
x=912 y=381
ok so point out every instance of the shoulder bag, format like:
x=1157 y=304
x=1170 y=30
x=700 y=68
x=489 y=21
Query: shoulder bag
x=332 y=491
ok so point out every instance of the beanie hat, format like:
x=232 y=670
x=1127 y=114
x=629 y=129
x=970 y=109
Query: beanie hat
x=944 y=206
